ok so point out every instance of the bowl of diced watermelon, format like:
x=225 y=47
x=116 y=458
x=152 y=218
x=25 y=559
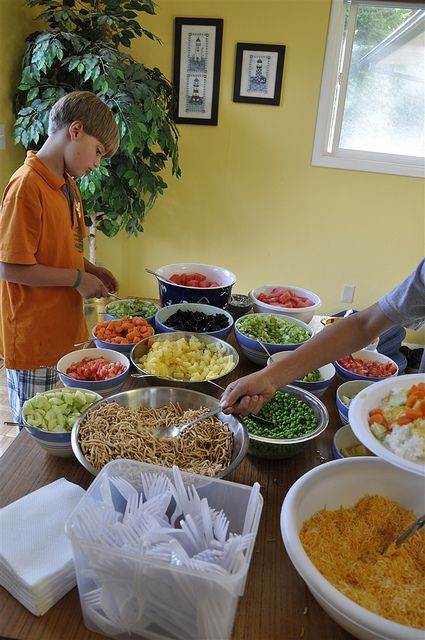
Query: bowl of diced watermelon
x=100 y=370
x=285 y=299
x=194 y=282
x=49 y=417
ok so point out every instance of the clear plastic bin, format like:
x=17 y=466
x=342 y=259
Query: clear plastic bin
x=207 y=600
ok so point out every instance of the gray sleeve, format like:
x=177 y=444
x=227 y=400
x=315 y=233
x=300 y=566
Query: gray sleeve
x=405 y=304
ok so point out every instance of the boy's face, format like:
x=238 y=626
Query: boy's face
x=84 y=152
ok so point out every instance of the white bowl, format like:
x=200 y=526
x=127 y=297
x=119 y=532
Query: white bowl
x=345 y=482
x=344 y=438
x=305 y=313
x=327 y=371
x=358 y=415
x=101 y=386
x=365 y=355
x=163 y=314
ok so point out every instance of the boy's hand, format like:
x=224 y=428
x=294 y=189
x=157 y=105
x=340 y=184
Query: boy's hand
x=92 y=287
x=248 y=394
x=108 y=279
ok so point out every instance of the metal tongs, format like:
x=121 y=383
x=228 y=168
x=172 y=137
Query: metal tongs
x=407 y=533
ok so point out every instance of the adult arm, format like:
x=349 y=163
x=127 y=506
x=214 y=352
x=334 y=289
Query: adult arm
x=39 y=275
x=248 y=394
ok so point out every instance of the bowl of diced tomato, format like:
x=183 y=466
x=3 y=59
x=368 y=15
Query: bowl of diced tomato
x=195 y=282
x=121 y=335
x=285 y=299
x=100 y=370
x=365 y=365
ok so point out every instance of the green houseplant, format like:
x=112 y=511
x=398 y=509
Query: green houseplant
x=82 y=45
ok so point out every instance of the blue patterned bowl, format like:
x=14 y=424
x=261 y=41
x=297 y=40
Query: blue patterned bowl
x=327 y=371
x=171 y=293
x=163 y=314
x=349 y=390
x=100 y=386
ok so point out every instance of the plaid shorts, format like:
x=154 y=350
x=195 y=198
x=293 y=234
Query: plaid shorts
x=25 y=383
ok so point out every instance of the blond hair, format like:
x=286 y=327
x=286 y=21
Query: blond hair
x=95 y=116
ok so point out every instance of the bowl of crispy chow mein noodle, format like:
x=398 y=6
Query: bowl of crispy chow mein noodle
x=125 y=426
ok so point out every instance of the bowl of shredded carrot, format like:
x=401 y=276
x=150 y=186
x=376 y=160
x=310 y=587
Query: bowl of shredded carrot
x=121 y=335
x=338 y=523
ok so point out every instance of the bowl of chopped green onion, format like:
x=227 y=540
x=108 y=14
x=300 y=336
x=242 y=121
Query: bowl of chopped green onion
x=316 y=381
x=129 y=307
x=296 y=417
x=276 y=332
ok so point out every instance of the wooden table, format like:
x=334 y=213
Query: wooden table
x=276 y=603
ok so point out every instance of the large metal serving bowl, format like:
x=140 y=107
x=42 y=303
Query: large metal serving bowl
x=155 y=397
x=142 y=348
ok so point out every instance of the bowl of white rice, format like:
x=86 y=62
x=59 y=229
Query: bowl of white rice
x=388 y=418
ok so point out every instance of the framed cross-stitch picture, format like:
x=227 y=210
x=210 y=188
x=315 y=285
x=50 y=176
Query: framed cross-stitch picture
x=196 y=77
x=258 y=73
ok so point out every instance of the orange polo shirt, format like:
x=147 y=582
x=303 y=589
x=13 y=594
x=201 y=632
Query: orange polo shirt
x=38 y=325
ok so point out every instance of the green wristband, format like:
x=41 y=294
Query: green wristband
x=78 y=279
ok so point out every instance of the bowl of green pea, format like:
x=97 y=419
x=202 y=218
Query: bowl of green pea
x=315 y=381
x=295 y=417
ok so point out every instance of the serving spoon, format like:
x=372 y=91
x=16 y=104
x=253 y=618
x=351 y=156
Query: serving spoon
x=406 y=534
x=158 y=275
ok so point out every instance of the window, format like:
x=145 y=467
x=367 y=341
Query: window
x=372 y=98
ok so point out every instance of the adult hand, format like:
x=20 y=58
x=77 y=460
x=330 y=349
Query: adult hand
x=91 y=287
x=248 y=394
x=108 y=279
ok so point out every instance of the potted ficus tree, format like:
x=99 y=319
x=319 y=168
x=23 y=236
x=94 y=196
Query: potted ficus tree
x=83 y=44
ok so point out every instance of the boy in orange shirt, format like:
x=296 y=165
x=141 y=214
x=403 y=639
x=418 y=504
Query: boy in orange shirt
x=43 y=273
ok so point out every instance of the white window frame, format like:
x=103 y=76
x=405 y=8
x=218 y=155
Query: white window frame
x=326 y=153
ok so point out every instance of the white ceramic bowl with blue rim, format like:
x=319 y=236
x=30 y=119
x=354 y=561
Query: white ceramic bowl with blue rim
x=349 y=390
x=343 y=483
x=364 y=354
x=358 y=415
x=345 y=438
x=57 y=443
x=304 y=313
x=165 y=313
x=327 y=372
x=100 y=386
x=107 y=311
x=254 y=351
x=171 y=293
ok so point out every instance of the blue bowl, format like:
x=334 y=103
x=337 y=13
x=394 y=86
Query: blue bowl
x=171 y=293
x=163 y=314
x=121 y=348
x=364 y=354
x=109 y=316
x=327 y=372
x=100 y=386
x=253 y=350
x=349 y=390
x=57 y=443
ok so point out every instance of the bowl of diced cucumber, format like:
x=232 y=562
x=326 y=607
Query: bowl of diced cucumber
x=49 y=417
x=315 y=381
x=345 y=394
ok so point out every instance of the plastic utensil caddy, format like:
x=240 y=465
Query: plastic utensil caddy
x=206 y=599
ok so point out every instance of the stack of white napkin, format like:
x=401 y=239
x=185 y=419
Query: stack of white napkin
x=36 y=564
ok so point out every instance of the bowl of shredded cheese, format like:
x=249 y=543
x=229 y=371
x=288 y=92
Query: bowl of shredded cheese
x=338 y=522
x=184 y=357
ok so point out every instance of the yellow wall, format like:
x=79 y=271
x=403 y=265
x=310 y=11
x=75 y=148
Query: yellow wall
x=248 y=198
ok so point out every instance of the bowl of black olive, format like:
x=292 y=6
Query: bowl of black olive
x=194 y=317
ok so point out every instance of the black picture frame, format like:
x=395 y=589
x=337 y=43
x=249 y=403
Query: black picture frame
x=258 y=73
x=196 y=70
